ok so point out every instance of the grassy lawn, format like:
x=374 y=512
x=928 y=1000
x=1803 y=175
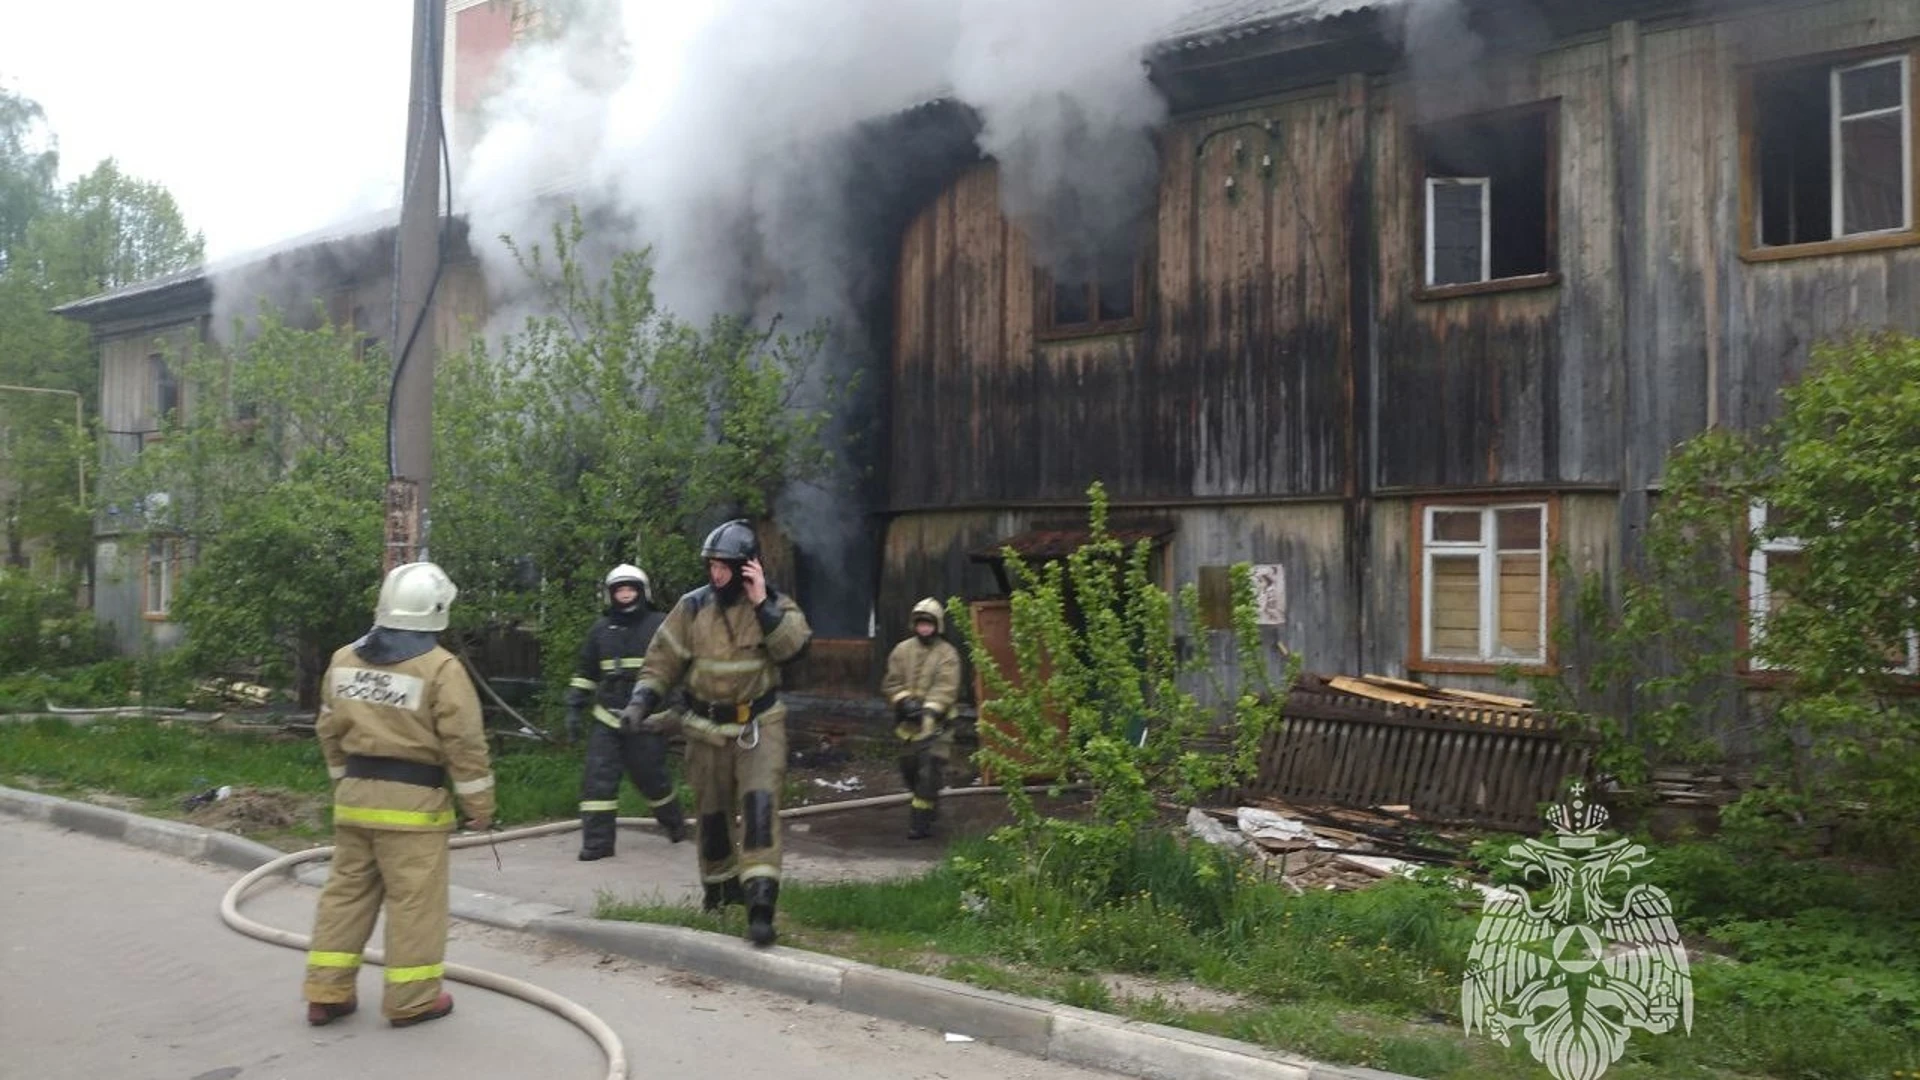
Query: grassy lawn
x=151 y=766
x=1801 y=970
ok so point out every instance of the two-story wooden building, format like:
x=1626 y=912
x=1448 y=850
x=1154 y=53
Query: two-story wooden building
x=1407 y=324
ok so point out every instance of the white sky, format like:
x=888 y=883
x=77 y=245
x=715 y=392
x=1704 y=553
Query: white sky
x=265 y=119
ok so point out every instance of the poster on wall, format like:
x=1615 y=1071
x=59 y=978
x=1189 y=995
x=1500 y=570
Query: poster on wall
x=1270 y=594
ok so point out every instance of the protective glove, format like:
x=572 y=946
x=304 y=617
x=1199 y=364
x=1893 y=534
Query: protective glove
x=634 y=717
x=576 y=721
x=909 y=709
x=662 y=723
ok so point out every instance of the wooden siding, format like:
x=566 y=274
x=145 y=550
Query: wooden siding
x=1237 y=384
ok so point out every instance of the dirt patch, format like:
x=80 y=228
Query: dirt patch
x=259 y=810
x=113 y=802
x=1184 y=996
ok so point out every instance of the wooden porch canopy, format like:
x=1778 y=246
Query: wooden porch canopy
x=1047 y=544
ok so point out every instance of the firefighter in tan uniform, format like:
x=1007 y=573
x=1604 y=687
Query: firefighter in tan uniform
x=398 y=719
x=922 y=683
x=724 y=643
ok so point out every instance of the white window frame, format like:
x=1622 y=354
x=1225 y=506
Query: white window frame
x=1760 y=593
x=1489 y=550
x=1836 y=122
x=169 y=557
x=1485 y=184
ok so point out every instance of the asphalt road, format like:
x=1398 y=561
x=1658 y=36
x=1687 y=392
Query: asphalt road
x=114 y=963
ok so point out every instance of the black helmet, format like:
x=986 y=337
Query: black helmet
x=732 y=542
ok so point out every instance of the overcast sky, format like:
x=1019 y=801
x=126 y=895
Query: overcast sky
x=264 y=119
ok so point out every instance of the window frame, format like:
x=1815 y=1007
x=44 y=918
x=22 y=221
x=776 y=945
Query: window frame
x=1760 y=596
x=1906 y=51
x=1046 y=330
x=1485 y=184
x=169 y=564
x=1836 y=125
x=1421 y=225
x=1421 y=607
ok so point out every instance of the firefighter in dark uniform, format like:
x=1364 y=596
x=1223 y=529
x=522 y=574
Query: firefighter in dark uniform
x=609 y=662
x=922 y=683
x=724 y=643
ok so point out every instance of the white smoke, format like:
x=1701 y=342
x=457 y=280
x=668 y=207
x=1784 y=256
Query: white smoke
x=722 y=140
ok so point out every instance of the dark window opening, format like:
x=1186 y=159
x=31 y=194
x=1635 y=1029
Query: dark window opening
x=1832 y=155
x=1487 y=197
x=166 y=389
x=1110 y=301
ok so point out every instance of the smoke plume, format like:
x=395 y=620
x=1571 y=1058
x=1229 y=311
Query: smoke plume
x=731 y=145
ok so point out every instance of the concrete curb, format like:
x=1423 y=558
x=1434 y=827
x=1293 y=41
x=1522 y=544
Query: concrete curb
x=1039 y=1028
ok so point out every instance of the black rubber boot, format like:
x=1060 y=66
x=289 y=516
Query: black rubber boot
x=720 y=894
x=919 y=823
x=761 y=893
x=672 y=819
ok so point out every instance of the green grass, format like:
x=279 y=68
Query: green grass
x=1783 y=989
x=159 y=763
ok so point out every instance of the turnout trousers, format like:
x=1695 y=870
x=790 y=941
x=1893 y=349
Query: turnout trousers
x=405 y=871
x=736 y=784
x=612 y=753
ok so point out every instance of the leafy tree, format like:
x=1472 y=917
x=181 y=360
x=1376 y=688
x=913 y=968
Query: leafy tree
x=28 y=167
x=111 y=230
x=601 y=431
x=1104 y=692
x=1839 y=724
x=104 y=230
x=275 y=480
x=605 y=430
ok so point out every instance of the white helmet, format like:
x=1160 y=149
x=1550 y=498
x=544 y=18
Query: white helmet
x=629 y=574
x=415 y=596
x=930 y=609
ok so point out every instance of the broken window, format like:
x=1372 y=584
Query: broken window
x=1832 y=151
x=1484 y=594
x=1110 y=301
x=166 y=389
x=1487 y=197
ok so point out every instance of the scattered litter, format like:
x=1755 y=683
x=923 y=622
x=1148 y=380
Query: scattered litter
x=211 y=795
x=851 y=783
x=1265 y=825
x=952 y=1038
x=1202 y=825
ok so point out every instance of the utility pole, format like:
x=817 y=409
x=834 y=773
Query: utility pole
x=417 y=258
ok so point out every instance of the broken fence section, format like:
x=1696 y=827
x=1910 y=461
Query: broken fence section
x=1448 y=756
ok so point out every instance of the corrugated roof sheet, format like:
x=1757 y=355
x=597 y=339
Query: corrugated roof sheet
x=1216 y=22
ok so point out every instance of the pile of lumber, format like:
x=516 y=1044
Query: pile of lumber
x=1330 y=847
x=1681 y=786
x=1495 y=710
x=233 y=692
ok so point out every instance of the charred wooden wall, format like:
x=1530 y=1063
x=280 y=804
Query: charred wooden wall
x=1293 y=377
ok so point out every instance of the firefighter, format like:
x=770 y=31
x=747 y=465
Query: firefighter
x=724 y=642
x=922 y=683
x=609 y=662
x=398 y=718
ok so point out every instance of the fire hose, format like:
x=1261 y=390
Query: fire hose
x=573 y=1013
